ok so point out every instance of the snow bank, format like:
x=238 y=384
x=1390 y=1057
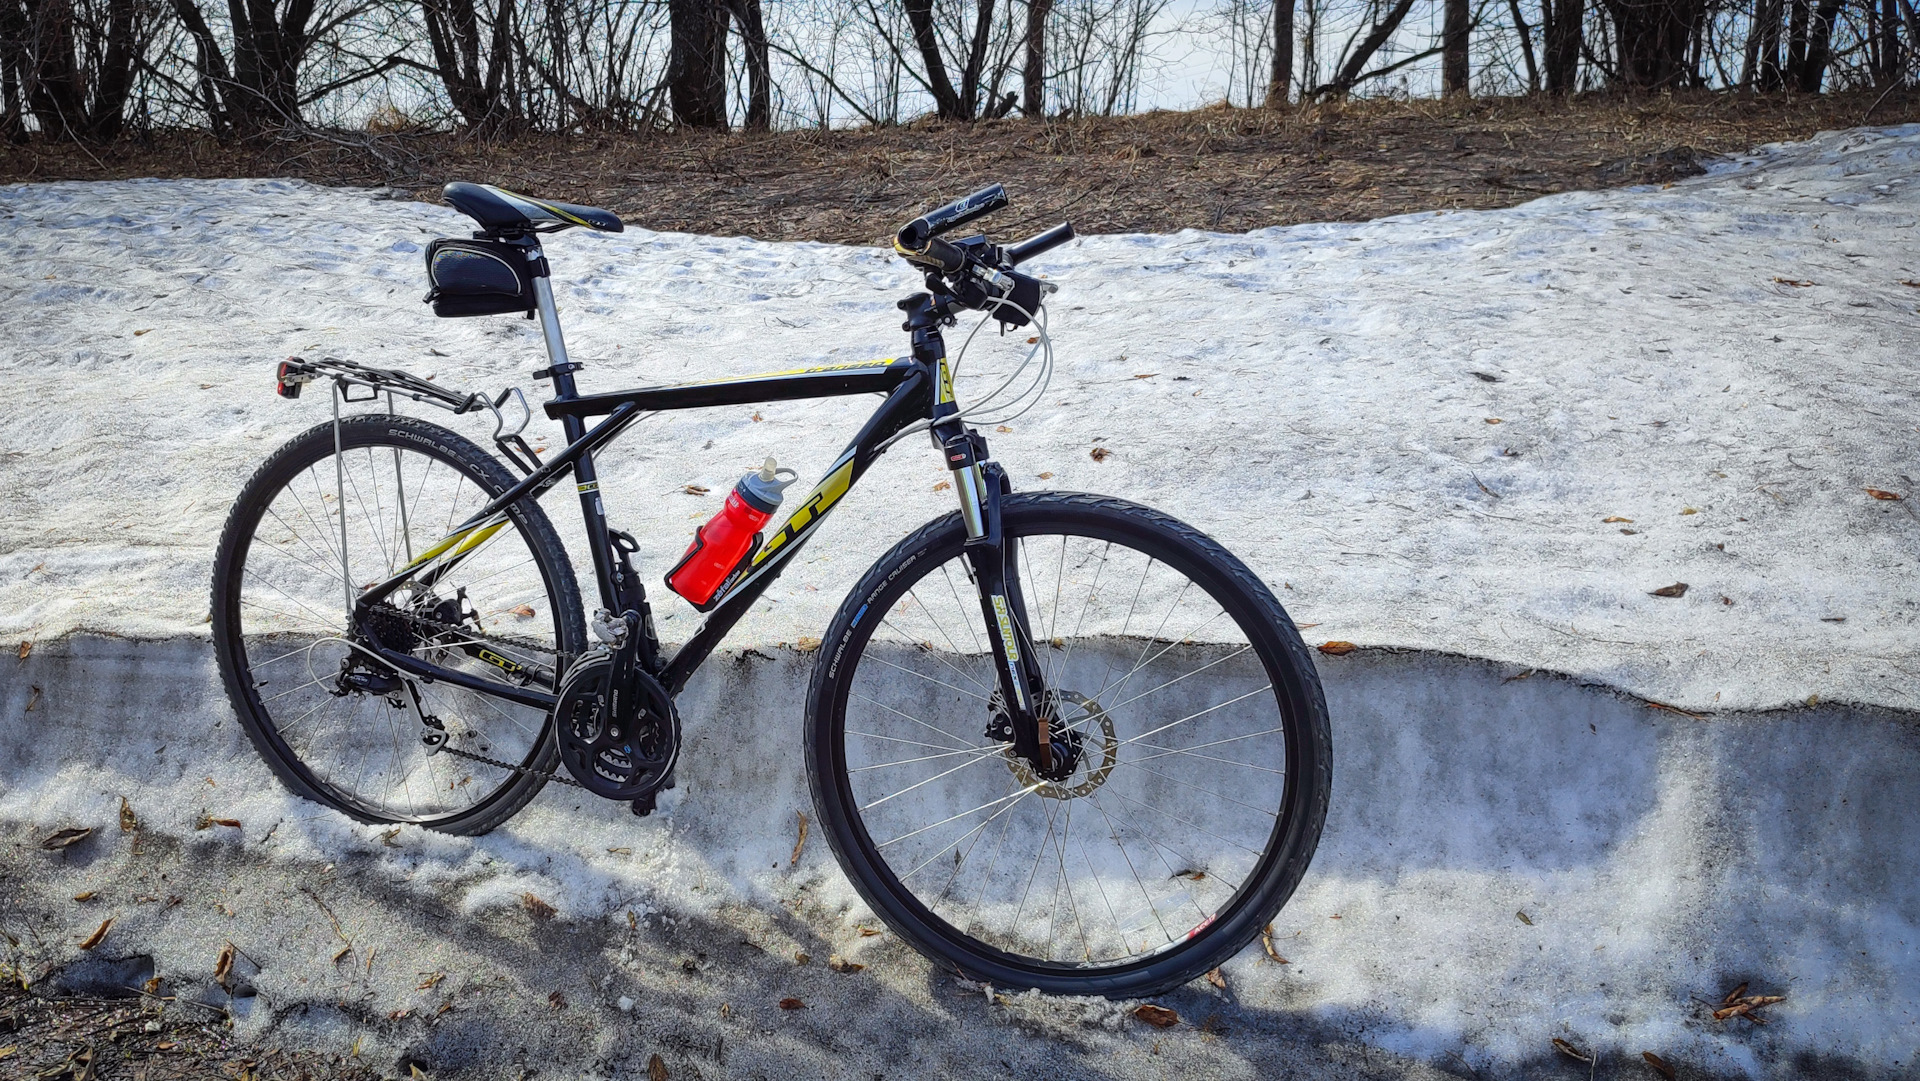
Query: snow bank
x=1507 y=860
x=1322 y=398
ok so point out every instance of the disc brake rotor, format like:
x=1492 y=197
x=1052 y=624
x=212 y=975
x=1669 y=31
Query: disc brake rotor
x=1093 y=719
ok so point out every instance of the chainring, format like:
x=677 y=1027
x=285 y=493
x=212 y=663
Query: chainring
x=621 y=746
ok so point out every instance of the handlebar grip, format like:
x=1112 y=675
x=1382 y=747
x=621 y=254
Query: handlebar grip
x=947 y=258
x=1040 y=245
x=917 y=232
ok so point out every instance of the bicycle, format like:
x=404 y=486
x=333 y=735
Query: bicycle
x=402 y=635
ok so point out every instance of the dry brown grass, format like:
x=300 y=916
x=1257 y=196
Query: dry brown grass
x=1216 y=168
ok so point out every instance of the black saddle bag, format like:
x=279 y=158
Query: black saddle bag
x=478 y=277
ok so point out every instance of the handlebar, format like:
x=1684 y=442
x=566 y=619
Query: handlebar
x=974 y=272
x=1039 y=245
x=917 y=232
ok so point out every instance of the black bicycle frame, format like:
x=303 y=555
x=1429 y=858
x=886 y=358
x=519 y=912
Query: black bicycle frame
x=918 y=388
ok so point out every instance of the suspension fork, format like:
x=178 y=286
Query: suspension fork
x=994 y=560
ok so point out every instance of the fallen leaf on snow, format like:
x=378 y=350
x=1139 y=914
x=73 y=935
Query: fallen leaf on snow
x=942 y=486
x=1157 y=1016
x=223 y=965
x=1797 y=283
x=1215 y=978
x=557 y=1000
x=1495 y=420
x=386 y=838
x=67 y=838
x=800 y=842
x=93 y=939
x=792 y=1004
x=1689 y=510
x=869 y=932
x=1616 y=518
x=801 y=958
x=1337 y=648
x=523 y=611
x=1100 y=454
x=87 y=896
x=27 y=647
x=841 y=964
x=1657 y=1065
x=540 y=910
x=656 y=1069
x=1003 y=429
x=128 y=820
x=1677 y=589
x=697 y=489
x=230 y=823
x=1046 y=476
x=1877 y=493
x=1524 y=918
x=1570 y=1051
x=1266 y=942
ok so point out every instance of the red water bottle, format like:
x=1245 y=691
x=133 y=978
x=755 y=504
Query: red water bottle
x=730 y=536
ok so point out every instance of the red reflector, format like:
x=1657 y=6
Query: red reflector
x=281 y=386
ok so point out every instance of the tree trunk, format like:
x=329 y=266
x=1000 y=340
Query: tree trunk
x=976 y=60
x=1797 y=40
x=55 y=92
x=13 y=108
x=697 y=63
x=1350 y=71
x=753 y=38
x=1454 y=71
x=1280 y=76
x=1033 y=73
x=1563 y=31
x=1653 y=40
x=1521 y=28
x=946 y=101
x=1819 y=48
x=474 y=81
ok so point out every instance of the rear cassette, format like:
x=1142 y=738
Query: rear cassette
x=621 y=744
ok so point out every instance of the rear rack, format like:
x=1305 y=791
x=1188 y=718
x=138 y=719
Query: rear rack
x=296 y=372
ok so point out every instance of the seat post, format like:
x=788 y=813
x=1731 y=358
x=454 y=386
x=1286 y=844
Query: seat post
x=550 y=330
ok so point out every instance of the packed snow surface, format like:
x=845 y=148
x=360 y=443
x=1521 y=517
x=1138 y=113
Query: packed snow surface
x=1489 y=433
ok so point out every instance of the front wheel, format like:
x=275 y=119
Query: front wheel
x=1203 y=752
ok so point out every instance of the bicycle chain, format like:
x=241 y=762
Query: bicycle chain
x=554 y=776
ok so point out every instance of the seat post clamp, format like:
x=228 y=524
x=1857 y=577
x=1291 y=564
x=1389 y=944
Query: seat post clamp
x=558 y=369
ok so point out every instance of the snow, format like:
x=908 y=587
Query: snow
x=1310 y=400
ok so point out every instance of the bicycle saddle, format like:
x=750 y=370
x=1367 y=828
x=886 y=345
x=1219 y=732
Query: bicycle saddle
x=498 y=210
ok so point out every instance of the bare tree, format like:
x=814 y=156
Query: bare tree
x=1563 y=28
x=259 y=83
x=1280 y=77
x=1033 y=73
x=697 y=69
x=478 y=82
x=1457 y=20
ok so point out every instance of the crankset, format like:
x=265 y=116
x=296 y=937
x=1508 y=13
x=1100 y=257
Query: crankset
x=619 y=738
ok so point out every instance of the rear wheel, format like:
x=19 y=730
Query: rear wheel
x=1201 y=741
x=334 y=724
